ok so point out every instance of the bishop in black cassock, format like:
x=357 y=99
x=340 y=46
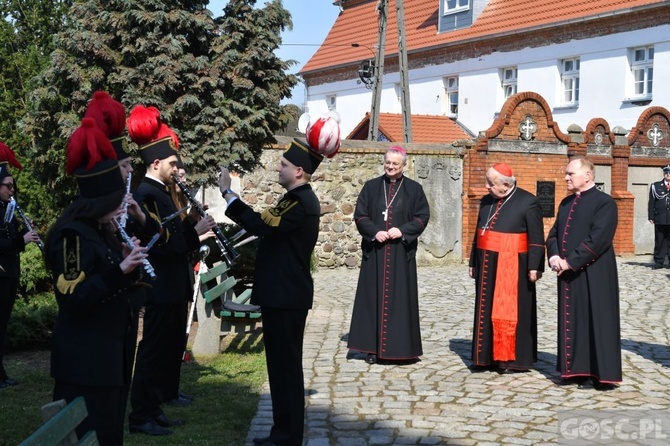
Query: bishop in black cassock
x=385 y=320
x=580 y=250
x=507 y=258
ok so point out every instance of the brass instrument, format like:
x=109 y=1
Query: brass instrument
x=227 y=249
x=26 y=222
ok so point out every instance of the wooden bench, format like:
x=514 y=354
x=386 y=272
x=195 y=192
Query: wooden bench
x=60 y=422
x=220 y=311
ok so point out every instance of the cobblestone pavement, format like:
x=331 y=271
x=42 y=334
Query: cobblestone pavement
x=439 y=401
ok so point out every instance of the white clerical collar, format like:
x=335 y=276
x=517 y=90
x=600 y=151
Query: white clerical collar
x=585 y=190
x=148 y=175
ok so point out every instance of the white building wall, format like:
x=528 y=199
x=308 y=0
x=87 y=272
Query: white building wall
x=605 y=83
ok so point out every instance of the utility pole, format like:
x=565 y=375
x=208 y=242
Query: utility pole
x=404 y=77
x=382 y=10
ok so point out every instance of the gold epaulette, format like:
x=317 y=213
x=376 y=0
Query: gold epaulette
x=72 y=274
x=272 y=217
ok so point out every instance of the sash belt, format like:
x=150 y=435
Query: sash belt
x=506 y=294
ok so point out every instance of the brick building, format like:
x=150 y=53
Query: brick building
x=577 y=77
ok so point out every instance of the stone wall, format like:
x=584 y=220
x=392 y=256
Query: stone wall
x=453 y=176
x=338 y=181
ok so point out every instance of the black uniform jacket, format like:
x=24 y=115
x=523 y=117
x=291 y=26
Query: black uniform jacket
x=659 y=203
x=287 y=233
x=170 y=255
x=93 y=332
x=11 y=244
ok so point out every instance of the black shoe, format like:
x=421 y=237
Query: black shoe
x=371 y=358
x=657 y=266
x=604 y=387
x=511 y=371
x=163 y=421
x=179 y=401
x=148 y=428
x=482 y=368
x=586 y=384
x=8 y=382
x=181 y=394
x=570 y=381
x=262 y=440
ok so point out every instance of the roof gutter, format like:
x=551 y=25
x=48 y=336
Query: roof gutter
x=504 y=34
x=547 y=26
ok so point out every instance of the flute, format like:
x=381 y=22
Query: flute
x=26 y=222
x=148 y=268
x=227 y=249
x=124 y=216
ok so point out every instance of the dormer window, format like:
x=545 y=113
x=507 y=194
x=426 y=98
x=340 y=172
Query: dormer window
x=453 y=6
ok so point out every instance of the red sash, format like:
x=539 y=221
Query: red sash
x=505 y=296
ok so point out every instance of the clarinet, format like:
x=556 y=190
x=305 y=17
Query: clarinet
x=148 y=268
x=227 y=249
x=124 y=216
x=26 y=223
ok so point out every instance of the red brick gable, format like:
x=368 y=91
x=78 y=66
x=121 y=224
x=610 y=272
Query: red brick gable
x=358 y=24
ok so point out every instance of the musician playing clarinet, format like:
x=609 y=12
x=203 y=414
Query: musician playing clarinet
x=94 y=276
x=13 y=240
x=159 y=354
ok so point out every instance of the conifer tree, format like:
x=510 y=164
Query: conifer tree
x=216 y=81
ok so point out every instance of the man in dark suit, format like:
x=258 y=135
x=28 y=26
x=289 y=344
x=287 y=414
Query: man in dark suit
x=283 y=284
x=659 y=216
x=160 y=351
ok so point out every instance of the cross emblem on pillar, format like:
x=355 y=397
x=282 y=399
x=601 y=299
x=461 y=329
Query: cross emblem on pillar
x=655 y=135
x=527 y=127
x=598 y=138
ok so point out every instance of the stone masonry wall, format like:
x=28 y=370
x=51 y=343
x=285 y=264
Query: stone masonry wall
x=337 y=183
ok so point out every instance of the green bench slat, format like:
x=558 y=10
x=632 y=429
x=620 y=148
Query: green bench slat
x=54 y=430
x=244 y=297
x=219 y=289
x=213 y=272
x=241 y=314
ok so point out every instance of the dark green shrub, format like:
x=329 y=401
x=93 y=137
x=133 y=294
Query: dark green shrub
x=31 y=322
x=34 y=275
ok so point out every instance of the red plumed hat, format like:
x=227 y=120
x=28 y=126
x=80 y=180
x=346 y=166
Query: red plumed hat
x=323 y=135
x=108 y=113
x=92 y=159
x=143 y=124
x=146 y=129
x=7 y=158
x=110 y=116
x=88 y=145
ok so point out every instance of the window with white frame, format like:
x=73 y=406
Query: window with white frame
x=450 y=103
x=451 y=6
x=509 y=81
x=570 y=80
x=331 y=101
x=642 y=67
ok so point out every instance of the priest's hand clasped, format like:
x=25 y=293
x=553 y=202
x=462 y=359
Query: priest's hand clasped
x=391 y=234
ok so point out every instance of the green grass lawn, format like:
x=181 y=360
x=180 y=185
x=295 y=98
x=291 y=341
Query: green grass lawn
x=226 y=388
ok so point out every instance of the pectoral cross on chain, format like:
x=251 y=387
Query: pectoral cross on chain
x=385 y=214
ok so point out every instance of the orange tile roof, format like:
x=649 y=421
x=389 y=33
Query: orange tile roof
x=358 y=24
x=425 y=128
